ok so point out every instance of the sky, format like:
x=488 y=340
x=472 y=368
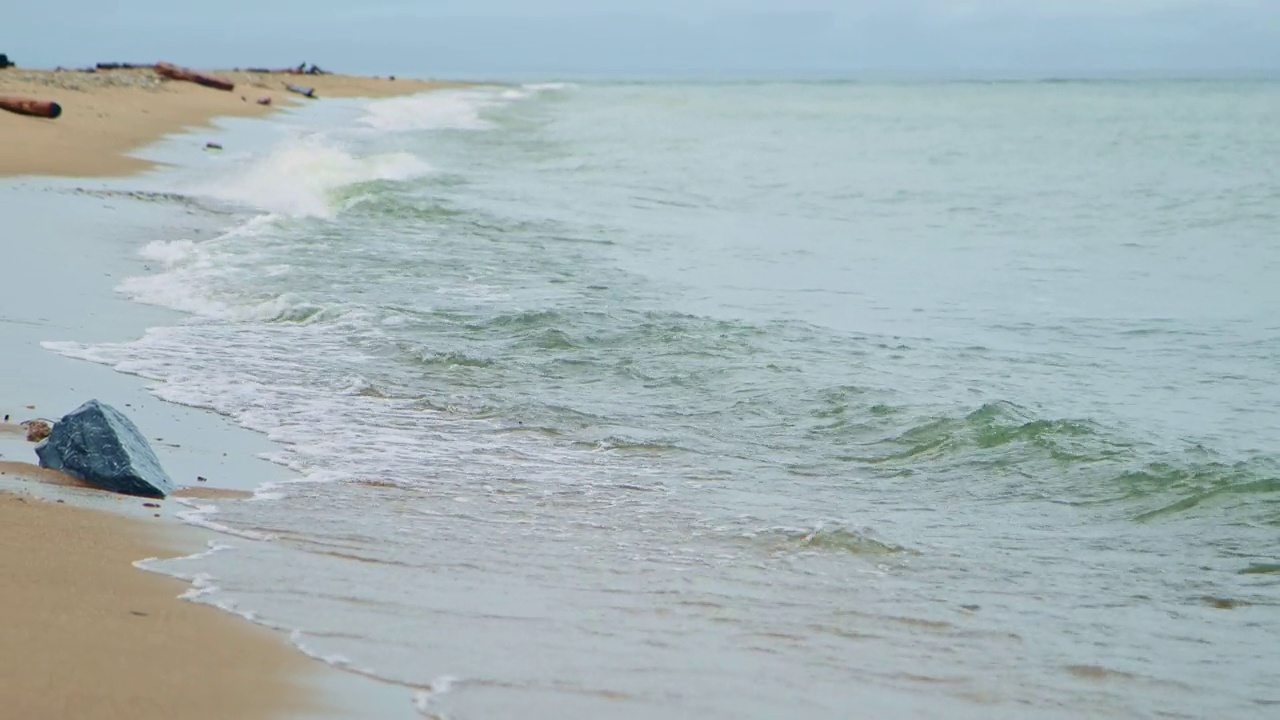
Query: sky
x=647 y=38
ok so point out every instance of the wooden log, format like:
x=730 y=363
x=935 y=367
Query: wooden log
x=173 y=72
x=29 y=106
x=123 y=66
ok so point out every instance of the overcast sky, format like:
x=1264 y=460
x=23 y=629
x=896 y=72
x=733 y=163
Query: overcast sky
x=504 y=38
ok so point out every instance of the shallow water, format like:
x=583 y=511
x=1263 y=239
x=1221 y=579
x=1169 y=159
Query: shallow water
x=754 y=400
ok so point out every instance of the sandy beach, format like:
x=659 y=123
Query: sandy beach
x=109 y=113
x=89 y=636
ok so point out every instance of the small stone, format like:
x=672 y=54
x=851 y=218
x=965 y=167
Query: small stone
x=37 y=430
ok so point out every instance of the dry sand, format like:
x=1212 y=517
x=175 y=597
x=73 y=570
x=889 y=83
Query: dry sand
x=109 y=113
x=86 y=636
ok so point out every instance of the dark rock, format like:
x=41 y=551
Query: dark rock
x=102 y=447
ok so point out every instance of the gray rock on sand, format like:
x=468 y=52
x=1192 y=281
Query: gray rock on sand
x=98 y=444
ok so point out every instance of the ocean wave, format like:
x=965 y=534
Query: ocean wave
x=825 y=538
x=439 y=110
x=989 y=429
x=298 y=178
x=1005 y=451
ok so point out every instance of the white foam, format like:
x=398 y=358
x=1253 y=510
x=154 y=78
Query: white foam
x=168 y=252
x=424 y=699
x=172 y=291
x=199 y=514
x=201 y=584
x=299 y=176
x=335 y=659
x=441 y=110
x=548 y=87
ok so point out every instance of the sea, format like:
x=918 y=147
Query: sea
x=748 y=400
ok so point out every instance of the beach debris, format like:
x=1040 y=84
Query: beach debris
x=31 y=106
x=153 y=505
x=125 y=66
x=173 y=72
x=210 y=146
x=304 y=91
x=37 y=430
x=97 y=444
x=302 y=69
x=264 y=100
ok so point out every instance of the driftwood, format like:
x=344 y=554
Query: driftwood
x=173 y=72
x=125 y=66
x=304 y=91
x=28 y=106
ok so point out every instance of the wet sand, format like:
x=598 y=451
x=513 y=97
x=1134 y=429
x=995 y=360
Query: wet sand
x=87 y=635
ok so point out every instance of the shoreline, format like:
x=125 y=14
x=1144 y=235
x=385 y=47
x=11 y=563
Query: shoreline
x=109 y=115
x=78 y=608
x=70 y=294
